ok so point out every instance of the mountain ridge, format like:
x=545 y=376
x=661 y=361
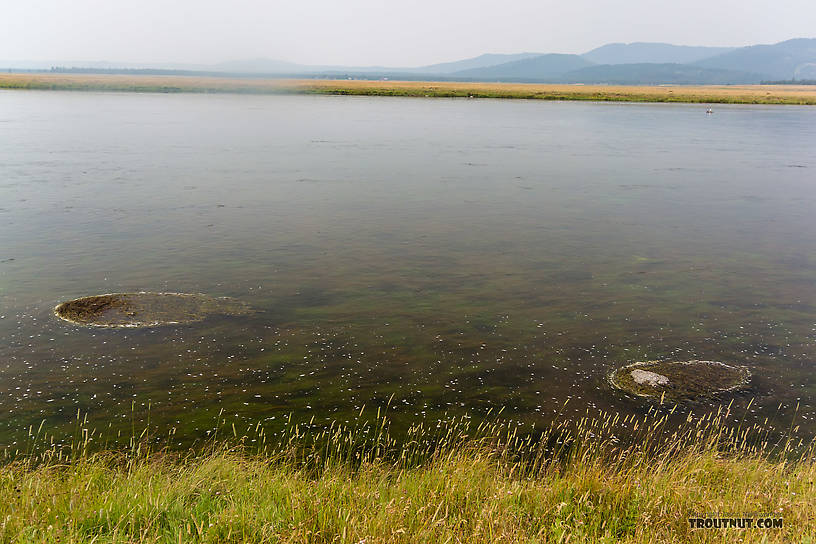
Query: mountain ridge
x=542 y=67
x=782 y=60
x=622 y=63
x=652 y=52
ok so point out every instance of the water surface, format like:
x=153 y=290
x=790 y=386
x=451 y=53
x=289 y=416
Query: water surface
x=455 y=256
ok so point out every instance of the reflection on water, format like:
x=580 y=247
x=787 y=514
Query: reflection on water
x=456 y=255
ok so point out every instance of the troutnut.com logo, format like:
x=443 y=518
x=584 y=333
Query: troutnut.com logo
x=748 y=520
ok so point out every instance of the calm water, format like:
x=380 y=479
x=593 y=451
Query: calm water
x=458 y=255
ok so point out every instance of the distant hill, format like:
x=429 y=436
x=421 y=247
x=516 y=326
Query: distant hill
x=482 y=61
x=259 y=65
x=792 y=59
x=656 y=74
x=658 y=53
x=621 y=63
x=541 y=67
x=660 y=63
x=271 y=66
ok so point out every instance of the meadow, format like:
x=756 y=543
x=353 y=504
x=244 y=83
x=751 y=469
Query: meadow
x=453 y=482
x=713 y=94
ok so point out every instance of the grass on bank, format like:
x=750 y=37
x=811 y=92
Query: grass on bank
x=713 y=94
x=448 y=483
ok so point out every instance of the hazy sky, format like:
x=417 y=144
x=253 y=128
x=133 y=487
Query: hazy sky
x=366 y=32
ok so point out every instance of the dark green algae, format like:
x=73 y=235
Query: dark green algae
x=118 y=310
x=681 y=380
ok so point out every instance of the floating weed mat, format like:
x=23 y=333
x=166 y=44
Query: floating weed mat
x=146 y=309
x=679 y=380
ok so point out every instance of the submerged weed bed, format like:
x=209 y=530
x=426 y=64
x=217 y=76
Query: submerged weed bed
x=119 y=310
x=679 y=380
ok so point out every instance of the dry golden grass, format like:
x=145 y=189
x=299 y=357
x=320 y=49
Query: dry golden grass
x=745 y=94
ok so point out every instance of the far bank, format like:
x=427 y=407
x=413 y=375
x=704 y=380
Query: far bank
x=704 y=94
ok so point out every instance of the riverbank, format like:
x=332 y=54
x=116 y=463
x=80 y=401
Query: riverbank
x=461 y=497
x=736 y=94
x=576 y=483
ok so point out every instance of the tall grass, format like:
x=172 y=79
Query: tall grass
x=602 y=479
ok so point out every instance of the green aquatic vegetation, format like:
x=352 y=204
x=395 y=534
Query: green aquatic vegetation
x=146 y=309
x=679 y=380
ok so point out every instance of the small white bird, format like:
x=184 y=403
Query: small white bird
x=709 y=111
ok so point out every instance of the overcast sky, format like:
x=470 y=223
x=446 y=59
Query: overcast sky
x=369 y=32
